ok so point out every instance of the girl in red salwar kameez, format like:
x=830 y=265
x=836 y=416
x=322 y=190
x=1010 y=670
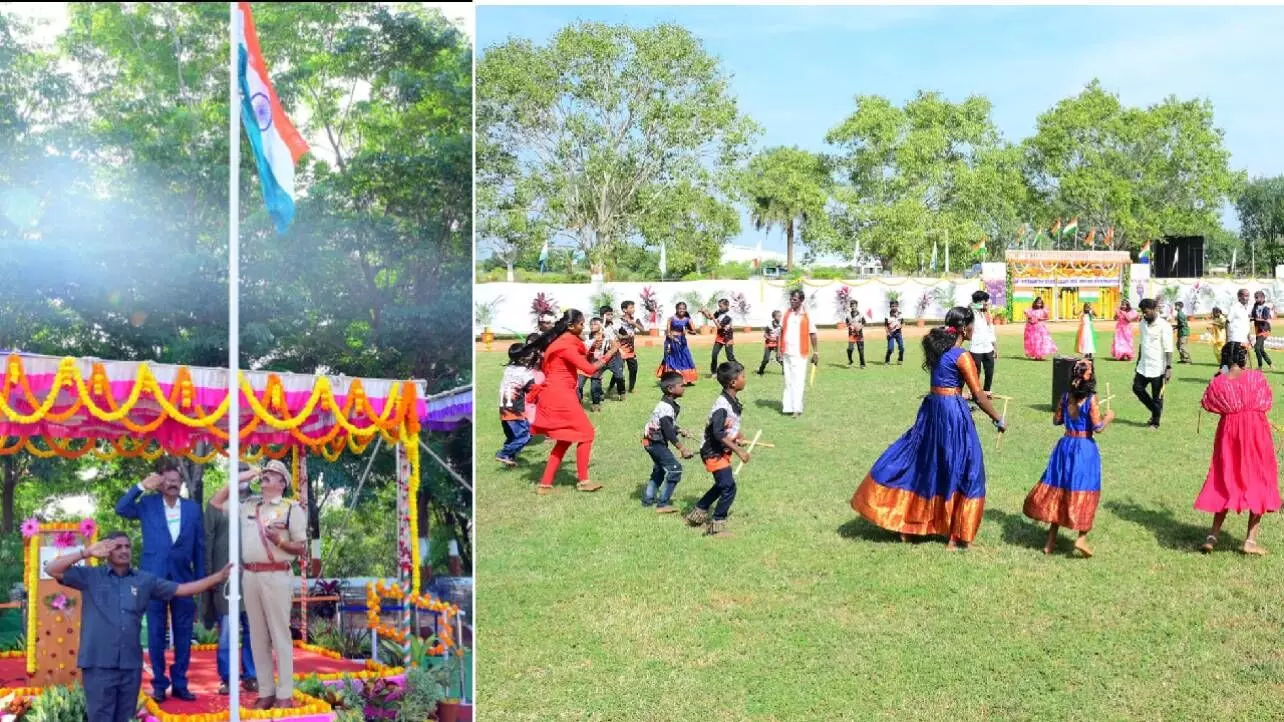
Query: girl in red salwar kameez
x=561 y=415
x=1243 y=474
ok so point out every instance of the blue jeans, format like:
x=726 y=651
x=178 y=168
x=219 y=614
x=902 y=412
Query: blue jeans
x=517 y=434
x=225 y=646
x=666 y=471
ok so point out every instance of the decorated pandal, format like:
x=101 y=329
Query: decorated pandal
x=73 y=407
x=1066 y=280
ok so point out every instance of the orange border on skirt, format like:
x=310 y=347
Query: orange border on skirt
x=1070 y=509
x=904 y=511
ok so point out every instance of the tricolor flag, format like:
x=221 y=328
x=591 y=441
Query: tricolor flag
x=1092 y=235
x=277 y=145
x=978 y=248
x=1071 y=228
x=1110 y=236
x=1144 y=255
x=1056 y=228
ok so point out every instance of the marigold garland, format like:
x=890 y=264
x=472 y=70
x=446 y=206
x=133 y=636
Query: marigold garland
x=305 y=705
x=398 y=419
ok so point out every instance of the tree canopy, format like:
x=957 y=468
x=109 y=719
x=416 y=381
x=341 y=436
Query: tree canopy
x=114 y=191
x=613 y=135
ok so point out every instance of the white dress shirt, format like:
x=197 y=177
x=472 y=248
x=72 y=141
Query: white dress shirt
x=1155 y=343
x=982 y=334
x=1237 y=325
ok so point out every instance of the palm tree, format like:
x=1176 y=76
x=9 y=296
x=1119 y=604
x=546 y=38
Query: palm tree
x=786 y=188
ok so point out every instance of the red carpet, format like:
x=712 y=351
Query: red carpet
x=202 y=678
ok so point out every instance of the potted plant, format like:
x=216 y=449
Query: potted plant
x=651 y=304
x=740 y=307
x=484 y=316
x=542 y=304
x=893 y=297
x=943 y=297
x=451 y=709
x=843 y=300
x=423 y=693
x=604 y=296
x=920 y=308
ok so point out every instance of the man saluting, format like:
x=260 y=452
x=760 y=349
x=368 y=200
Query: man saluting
x=114 y=597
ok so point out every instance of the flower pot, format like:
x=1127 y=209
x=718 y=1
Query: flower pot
x=748 y=329
x=450 y=711
x=487 y=337
x=654 y=332
x=920 y=323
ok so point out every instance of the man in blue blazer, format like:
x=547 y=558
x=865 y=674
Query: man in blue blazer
x=174 y=550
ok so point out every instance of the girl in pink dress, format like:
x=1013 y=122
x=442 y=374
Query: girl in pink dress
x=1038 y=340
x=1243 y=474
x=1122 y=348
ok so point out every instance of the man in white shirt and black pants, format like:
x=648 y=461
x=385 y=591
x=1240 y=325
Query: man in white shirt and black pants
x=1238 y=327
x=1154 y=359
x=983 y=338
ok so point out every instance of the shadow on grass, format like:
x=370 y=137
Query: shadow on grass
x=769 y=404
x=1130 y=422
x=1041 y=408
x=859 y=529
x=1163 y=523
x=1018 y=530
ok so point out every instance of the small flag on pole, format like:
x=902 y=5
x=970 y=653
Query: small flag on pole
x=1144 y=255
x=1056 y=228
x=277 y=145
x=1071 y=228
x=1090 y=238
x=978 y=248
x=1110 y=236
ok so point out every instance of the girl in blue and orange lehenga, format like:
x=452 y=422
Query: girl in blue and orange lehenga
x=931 y=481
x=677 y=354
x=1068 y=493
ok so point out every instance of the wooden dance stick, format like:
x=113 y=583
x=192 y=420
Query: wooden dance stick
x=752 y=444
x=1109 y=396
x=998 y=442
x=813 y=374
x=1162 y=389
x=765 y=445
x=1199 y=420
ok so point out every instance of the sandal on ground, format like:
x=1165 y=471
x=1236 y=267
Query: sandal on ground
x=697 y=517
x=587 y=486
x=1254 y=549
x=543 y=490
x=1210 y=542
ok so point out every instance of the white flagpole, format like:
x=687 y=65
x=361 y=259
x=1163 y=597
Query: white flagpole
x=233 y=370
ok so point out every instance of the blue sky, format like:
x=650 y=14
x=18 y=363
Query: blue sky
x=796 y=69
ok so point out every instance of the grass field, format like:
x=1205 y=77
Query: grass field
x=590 y=608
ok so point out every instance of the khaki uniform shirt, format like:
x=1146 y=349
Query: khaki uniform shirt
x=252 y=549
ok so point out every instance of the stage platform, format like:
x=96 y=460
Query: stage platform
x=203 y=681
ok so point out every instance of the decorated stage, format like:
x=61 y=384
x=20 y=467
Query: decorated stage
x=203 y=682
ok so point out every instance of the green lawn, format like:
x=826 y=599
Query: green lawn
x=590 y=608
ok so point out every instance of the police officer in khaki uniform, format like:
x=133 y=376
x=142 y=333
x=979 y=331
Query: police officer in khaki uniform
x=273 y=535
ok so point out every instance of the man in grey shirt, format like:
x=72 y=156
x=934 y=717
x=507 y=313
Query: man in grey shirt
x=114 y=598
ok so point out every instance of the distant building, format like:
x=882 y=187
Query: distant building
x=862 y=265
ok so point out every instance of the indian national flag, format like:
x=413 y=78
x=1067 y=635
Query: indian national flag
x=978 y=248
x=1023 y=294
x=1144 y=255
x=1089 y=294
x=1092 y=235
x=1056 y=227
x=1110 y=235
x=1071 y=228
x=277 y=145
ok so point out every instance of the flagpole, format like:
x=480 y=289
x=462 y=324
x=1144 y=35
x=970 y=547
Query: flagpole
x=233 y=369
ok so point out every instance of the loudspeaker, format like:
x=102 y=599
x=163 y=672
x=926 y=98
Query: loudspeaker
x=1178 y=257
x=1062 y=366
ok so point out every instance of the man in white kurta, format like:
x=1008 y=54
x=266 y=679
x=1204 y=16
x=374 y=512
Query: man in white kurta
x=1238 y=328
x=798 y=345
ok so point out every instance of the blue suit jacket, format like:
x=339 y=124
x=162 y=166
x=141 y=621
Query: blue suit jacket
x=181 y=561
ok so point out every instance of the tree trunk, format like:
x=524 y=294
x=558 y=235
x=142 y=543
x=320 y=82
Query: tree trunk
x=789 y=244
x=10 y=486
x=314 y=511
x=421 y=533
x=194 y=475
